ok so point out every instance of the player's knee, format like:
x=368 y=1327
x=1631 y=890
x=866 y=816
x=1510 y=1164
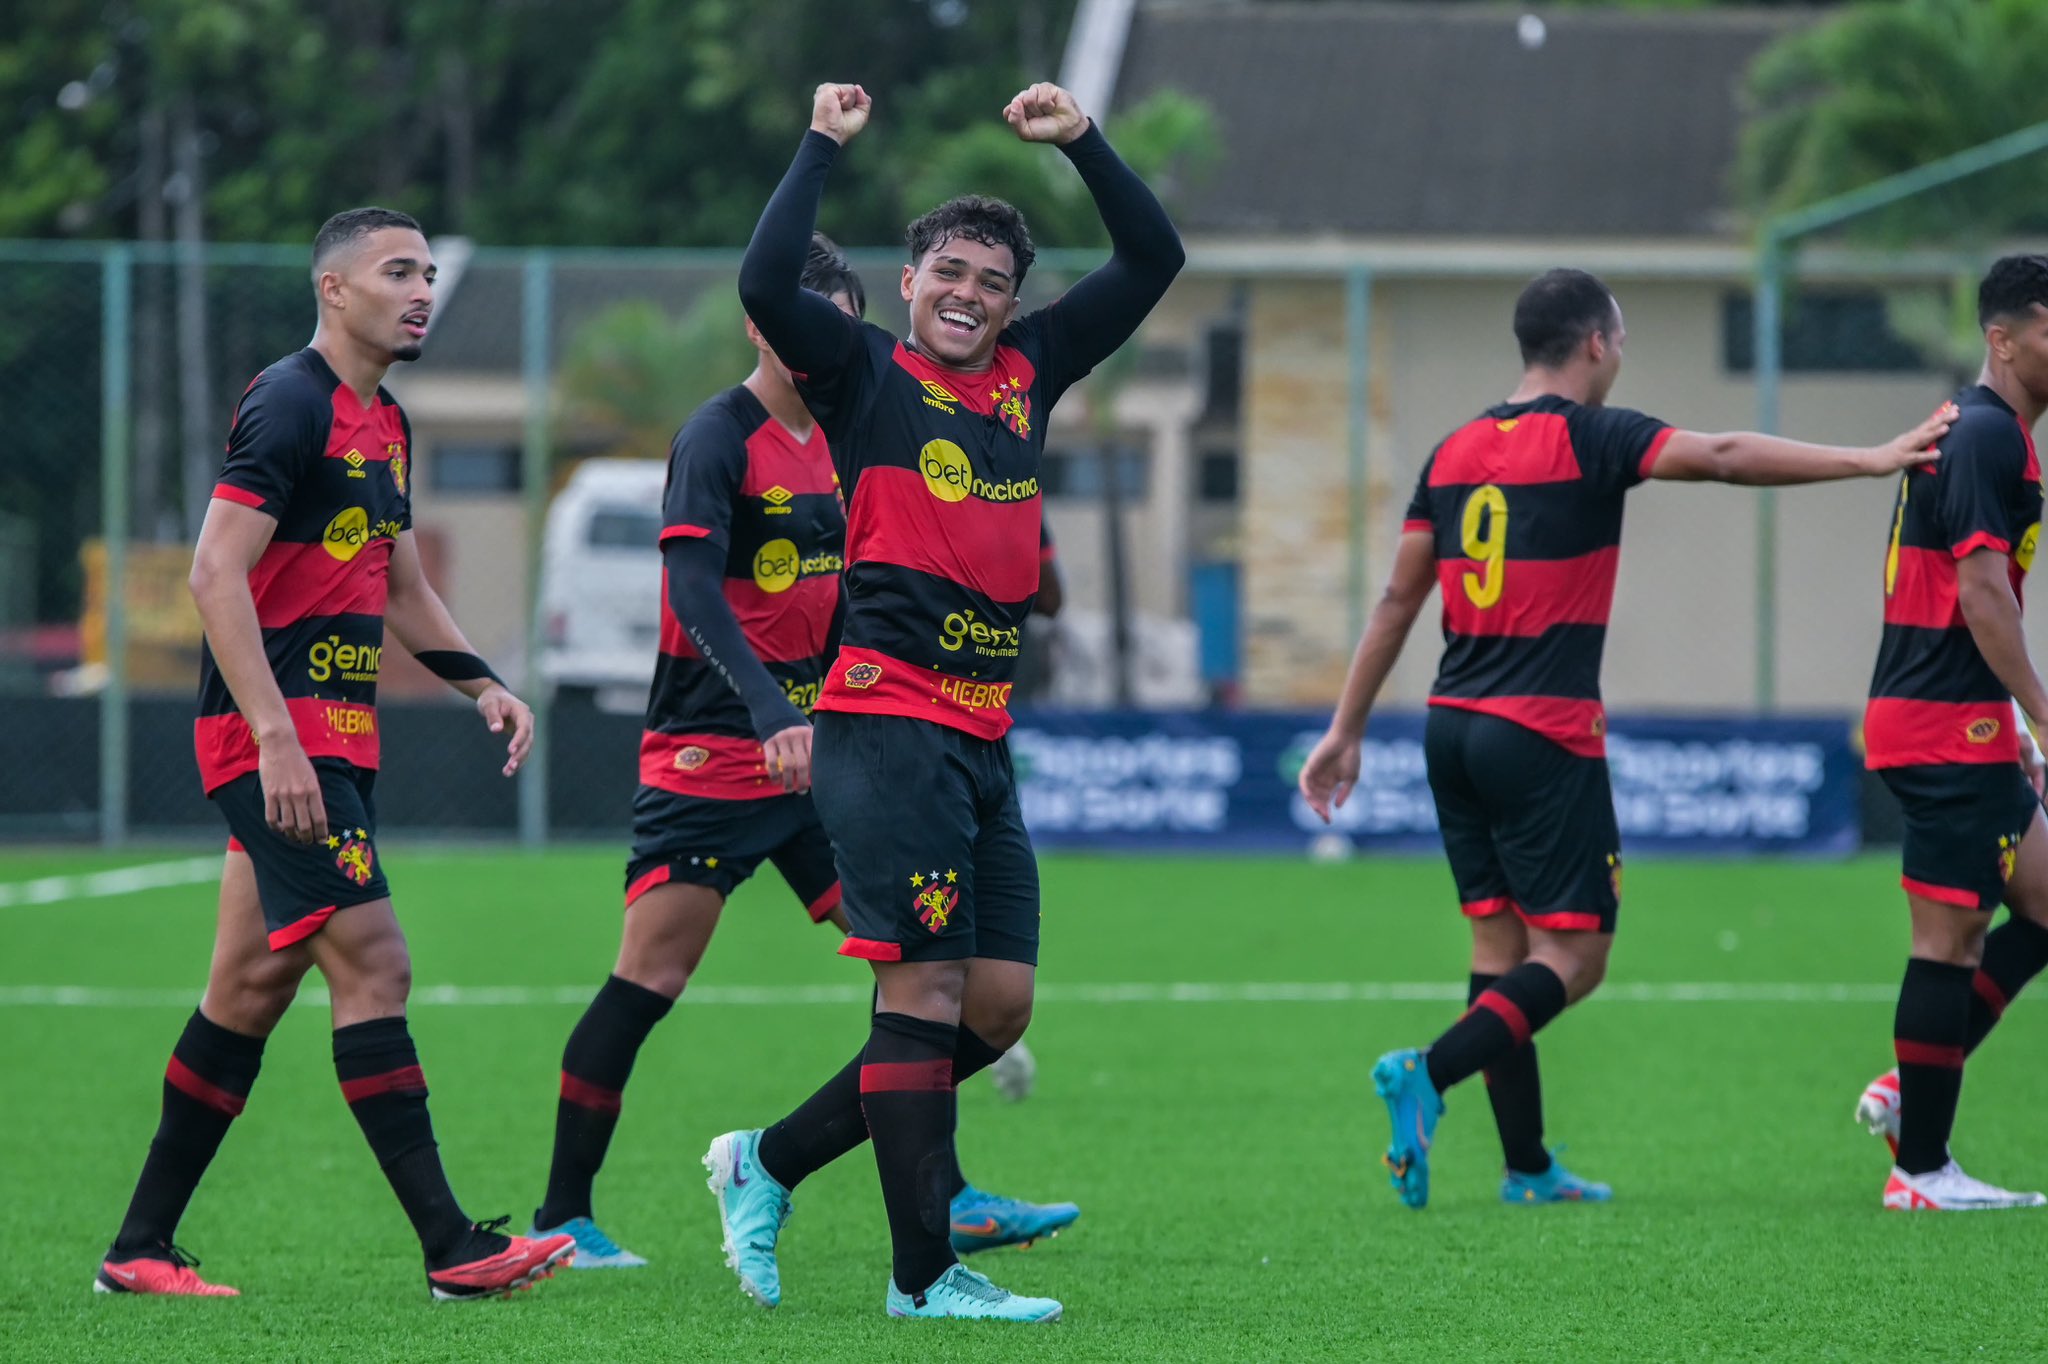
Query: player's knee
x=1587 y=974
x=1001 y=1024
x=666 y=979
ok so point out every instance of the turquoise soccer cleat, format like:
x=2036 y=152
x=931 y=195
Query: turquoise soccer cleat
x=1413 y=1105
x=594 y=1249
x=1555 y=1185
x=986 y=1221
x=752 y=1209
x=962 y=1293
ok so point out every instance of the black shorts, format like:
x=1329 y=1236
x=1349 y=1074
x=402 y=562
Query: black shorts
x=720 y=843
x=1528 y=825
x=1964 y=823
x=930 y=838
x=301 y=885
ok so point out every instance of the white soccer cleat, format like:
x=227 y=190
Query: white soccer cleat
x=1950 y=1190
x=1878 y=1109
x=1014 y=1073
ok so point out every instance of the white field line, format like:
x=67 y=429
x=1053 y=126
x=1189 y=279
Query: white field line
x=51 y=890
x=1132 y=992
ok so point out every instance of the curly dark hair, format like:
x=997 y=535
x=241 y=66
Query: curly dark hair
x=827 y=272
x=978 y=218
x=2011 y=286
x=351 y=225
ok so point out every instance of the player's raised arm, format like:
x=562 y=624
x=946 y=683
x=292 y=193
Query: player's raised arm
x=1332 y=768
x=1750 y=457
x=1105 y=306
x=809 y=333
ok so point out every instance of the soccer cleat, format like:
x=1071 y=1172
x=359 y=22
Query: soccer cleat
x=1413 y=1105
x=1555 y=1185
x=523 y=1262
x=752 y=1210
x=960 y=1292
x=1878 y=1109
x=1950 y=1190
x=594 y=1249
x=170 y=1274
x=1014 y=1073
x=986 y=1221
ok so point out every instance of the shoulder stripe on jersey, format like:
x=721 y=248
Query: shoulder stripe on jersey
x=1535 y=447
x=228 y=492
x=669 y=533
x=1657 y=444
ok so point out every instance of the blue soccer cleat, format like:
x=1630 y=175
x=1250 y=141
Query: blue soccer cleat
x=594 y=1249
x=1402 y=1079
x=986 y=1221
x=1555 y=1185
x=960 y=1292
x=752 y=1209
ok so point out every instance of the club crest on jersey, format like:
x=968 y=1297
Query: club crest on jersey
x=358 y=862
x=861 y=676
x=1982 y=731
x=935 y=898
x=396 y=450
x=1614 y=874
x=1013 y=406
x=2008 y=855
x=691 y=758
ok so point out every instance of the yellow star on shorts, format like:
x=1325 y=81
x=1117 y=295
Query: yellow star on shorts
x=916 y=879
x=951 y=876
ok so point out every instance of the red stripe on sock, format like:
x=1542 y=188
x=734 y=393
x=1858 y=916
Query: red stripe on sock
x=1927 y=1054
x=584 y=1094
x=898 y=1076
x=404 y=1080
x=1988 y=991
x=189 y=1082
x=1507 y=1011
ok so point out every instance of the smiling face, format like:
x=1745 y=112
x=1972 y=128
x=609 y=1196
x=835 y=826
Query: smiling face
x=379 y=290
x=962 y=293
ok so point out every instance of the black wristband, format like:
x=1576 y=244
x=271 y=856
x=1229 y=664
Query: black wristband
x=452 y=665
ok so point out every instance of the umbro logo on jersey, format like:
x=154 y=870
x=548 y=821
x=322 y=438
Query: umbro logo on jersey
x=355 y=461
x=937 y=396
x=778 y=499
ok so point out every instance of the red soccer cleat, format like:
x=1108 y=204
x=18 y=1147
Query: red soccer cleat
x=1878 y=1109
x=170 y=1274
x=523 y=1262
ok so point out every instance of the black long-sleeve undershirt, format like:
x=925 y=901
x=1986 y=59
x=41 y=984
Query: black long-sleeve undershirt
x=696 y=593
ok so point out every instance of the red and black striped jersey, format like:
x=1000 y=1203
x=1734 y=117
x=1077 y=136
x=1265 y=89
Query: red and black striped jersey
x=739 y=479
x=1525 y=506
x=944 y=535
x=335 y=475
x=1933 y=698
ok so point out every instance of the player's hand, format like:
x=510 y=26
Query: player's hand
x=292 y=803
x=1916 y=446
x=1045 y=113
x=499 y=708
x=787 y=754
x=1330 y=773
x=840 y=111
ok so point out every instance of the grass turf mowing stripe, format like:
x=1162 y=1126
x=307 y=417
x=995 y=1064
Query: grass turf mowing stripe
x=53 y=890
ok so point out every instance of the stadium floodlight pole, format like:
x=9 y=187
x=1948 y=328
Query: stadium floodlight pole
x=1358 y=346
x=537 y=293
x=1777 y=236
x=116 y=283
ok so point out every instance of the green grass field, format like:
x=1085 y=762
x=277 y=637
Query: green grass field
x=1224 y=1146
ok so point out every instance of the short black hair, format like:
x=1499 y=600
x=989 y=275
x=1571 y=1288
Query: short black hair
x=2011 y=286
x=978 y=218
x=351 y=225
x=827 y=272
x=1556 y=313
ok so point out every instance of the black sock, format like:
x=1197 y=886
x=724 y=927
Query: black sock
x=1515 y=1089
x=2014 y=953
x=386 y=1090
x=595 y=1066
x=906 y=1089
x=971 y=1056
x=1928 y=1033
x=1503 y=1017
x=819 y=1130
x=209 y=1077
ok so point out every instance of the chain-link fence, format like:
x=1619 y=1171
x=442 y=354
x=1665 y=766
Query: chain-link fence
x=1223 y=497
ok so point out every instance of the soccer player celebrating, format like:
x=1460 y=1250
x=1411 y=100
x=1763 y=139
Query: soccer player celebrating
x=753 y=538
x=1517 y=516
x=305 y=558
x=938 y=439
x=1941 y=731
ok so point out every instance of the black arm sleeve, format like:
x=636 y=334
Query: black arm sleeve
x=696 y=593
x=807 y=330
x=1105 y=306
